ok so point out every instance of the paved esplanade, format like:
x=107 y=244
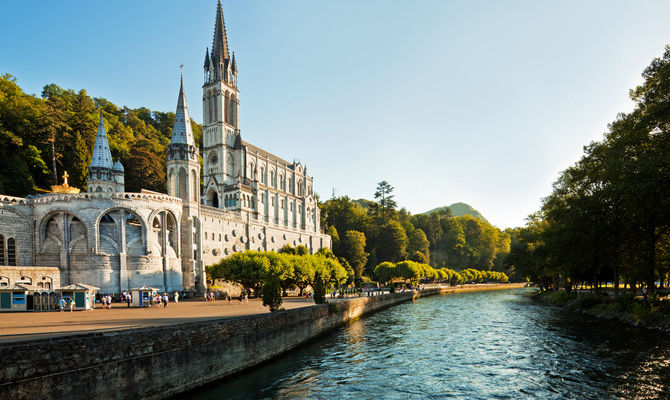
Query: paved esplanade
x=33 y=325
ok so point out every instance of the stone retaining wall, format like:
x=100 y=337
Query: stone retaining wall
x=160 y=362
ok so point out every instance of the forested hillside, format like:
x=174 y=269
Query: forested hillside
x=40 y=137
x=457 y=210
x=367 y=233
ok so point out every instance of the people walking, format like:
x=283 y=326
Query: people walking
x=165 y=300
x=176 y=297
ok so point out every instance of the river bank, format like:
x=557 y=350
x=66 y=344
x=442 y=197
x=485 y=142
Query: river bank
x=162 y=361
x=651 y=314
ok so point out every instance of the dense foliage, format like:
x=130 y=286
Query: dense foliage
x=366 y=233
x=252 y=269
x=608 y=218
x=414 y=272
x=41 y=137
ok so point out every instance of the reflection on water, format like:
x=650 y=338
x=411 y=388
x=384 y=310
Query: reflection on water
x=484 y=345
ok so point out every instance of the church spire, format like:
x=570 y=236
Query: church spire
x=220 y=43
x=102 y=156
x=207 y=59
x=182 y=131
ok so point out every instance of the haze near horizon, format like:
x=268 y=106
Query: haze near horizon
x=478 y=102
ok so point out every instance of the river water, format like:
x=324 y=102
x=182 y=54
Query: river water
x=481 y=345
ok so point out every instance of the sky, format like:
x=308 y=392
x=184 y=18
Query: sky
x=482 y=102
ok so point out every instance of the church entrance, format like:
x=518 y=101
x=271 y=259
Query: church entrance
x=213 y=198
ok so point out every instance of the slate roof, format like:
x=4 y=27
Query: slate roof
x=102 y=156
x=182 y=131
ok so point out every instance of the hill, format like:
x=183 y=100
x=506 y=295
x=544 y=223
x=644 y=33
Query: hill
x=458 y=209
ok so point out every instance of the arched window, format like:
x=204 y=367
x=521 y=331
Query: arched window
x=2 y=250
x=194 y=187
x=182 y=184
x=262 y=175
x=11 y=251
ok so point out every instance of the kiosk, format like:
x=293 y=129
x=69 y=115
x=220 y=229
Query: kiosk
x=83 y=295
x=17 y=297
x=143 y=297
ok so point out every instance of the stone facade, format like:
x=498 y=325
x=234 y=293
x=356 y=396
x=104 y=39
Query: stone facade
x=251 y=200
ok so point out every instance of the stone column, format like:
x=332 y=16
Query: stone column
x=123 y=269
x=164 y=244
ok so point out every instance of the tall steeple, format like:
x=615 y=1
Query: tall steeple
x=183 y=168
x=182 y=132
x=102 y=156
x=220 y=42
x=103 y=174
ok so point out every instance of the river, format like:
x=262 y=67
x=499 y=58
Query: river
x=481 y=345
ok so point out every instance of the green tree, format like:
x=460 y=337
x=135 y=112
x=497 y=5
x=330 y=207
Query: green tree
x=419 y=243
x=319 y=288
x=352 y=248
x=385 y=207
x=272 y=293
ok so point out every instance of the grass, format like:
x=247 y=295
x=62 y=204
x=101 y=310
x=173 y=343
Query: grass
x=624 y=307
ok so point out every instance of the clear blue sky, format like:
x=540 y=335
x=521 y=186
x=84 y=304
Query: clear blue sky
x=483 y=102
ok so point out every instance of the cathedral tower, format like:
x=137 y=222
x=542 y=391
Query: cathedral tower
x=220 y=104
x=103 y=175
x=183 y=169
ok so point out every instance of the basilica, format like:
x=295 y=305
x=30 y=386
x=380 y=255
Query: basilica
x=249 y=199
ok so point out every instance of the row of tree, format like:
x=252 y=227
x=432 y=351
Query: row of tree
x=251 y=269
x=413 y=271
x=608 y=217
x=366 y=233
x=40 y=137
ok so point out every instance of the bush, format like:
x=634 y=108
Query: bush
x=559 y=298
x=588 y=300
x=272 y=294
x=319 y=289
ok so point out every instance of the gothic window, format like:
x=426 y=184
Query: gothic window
x=2 y=250
x=262 y=175
x=272 y=179
x=11 y=251
x=253 y=203
x=194 y=186
x=211 y=108
x=157 y=223
x=226 y=102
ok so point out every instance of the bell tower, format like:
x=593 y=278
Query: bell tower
x=220 y=105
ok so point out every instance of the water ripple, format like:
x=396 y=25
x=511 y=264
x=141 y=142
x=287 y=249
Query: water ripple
x=486 y=345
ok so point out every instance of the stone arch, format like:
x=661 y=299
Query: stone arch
x=109 y=223
x=58 y=234
x=212 y=198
